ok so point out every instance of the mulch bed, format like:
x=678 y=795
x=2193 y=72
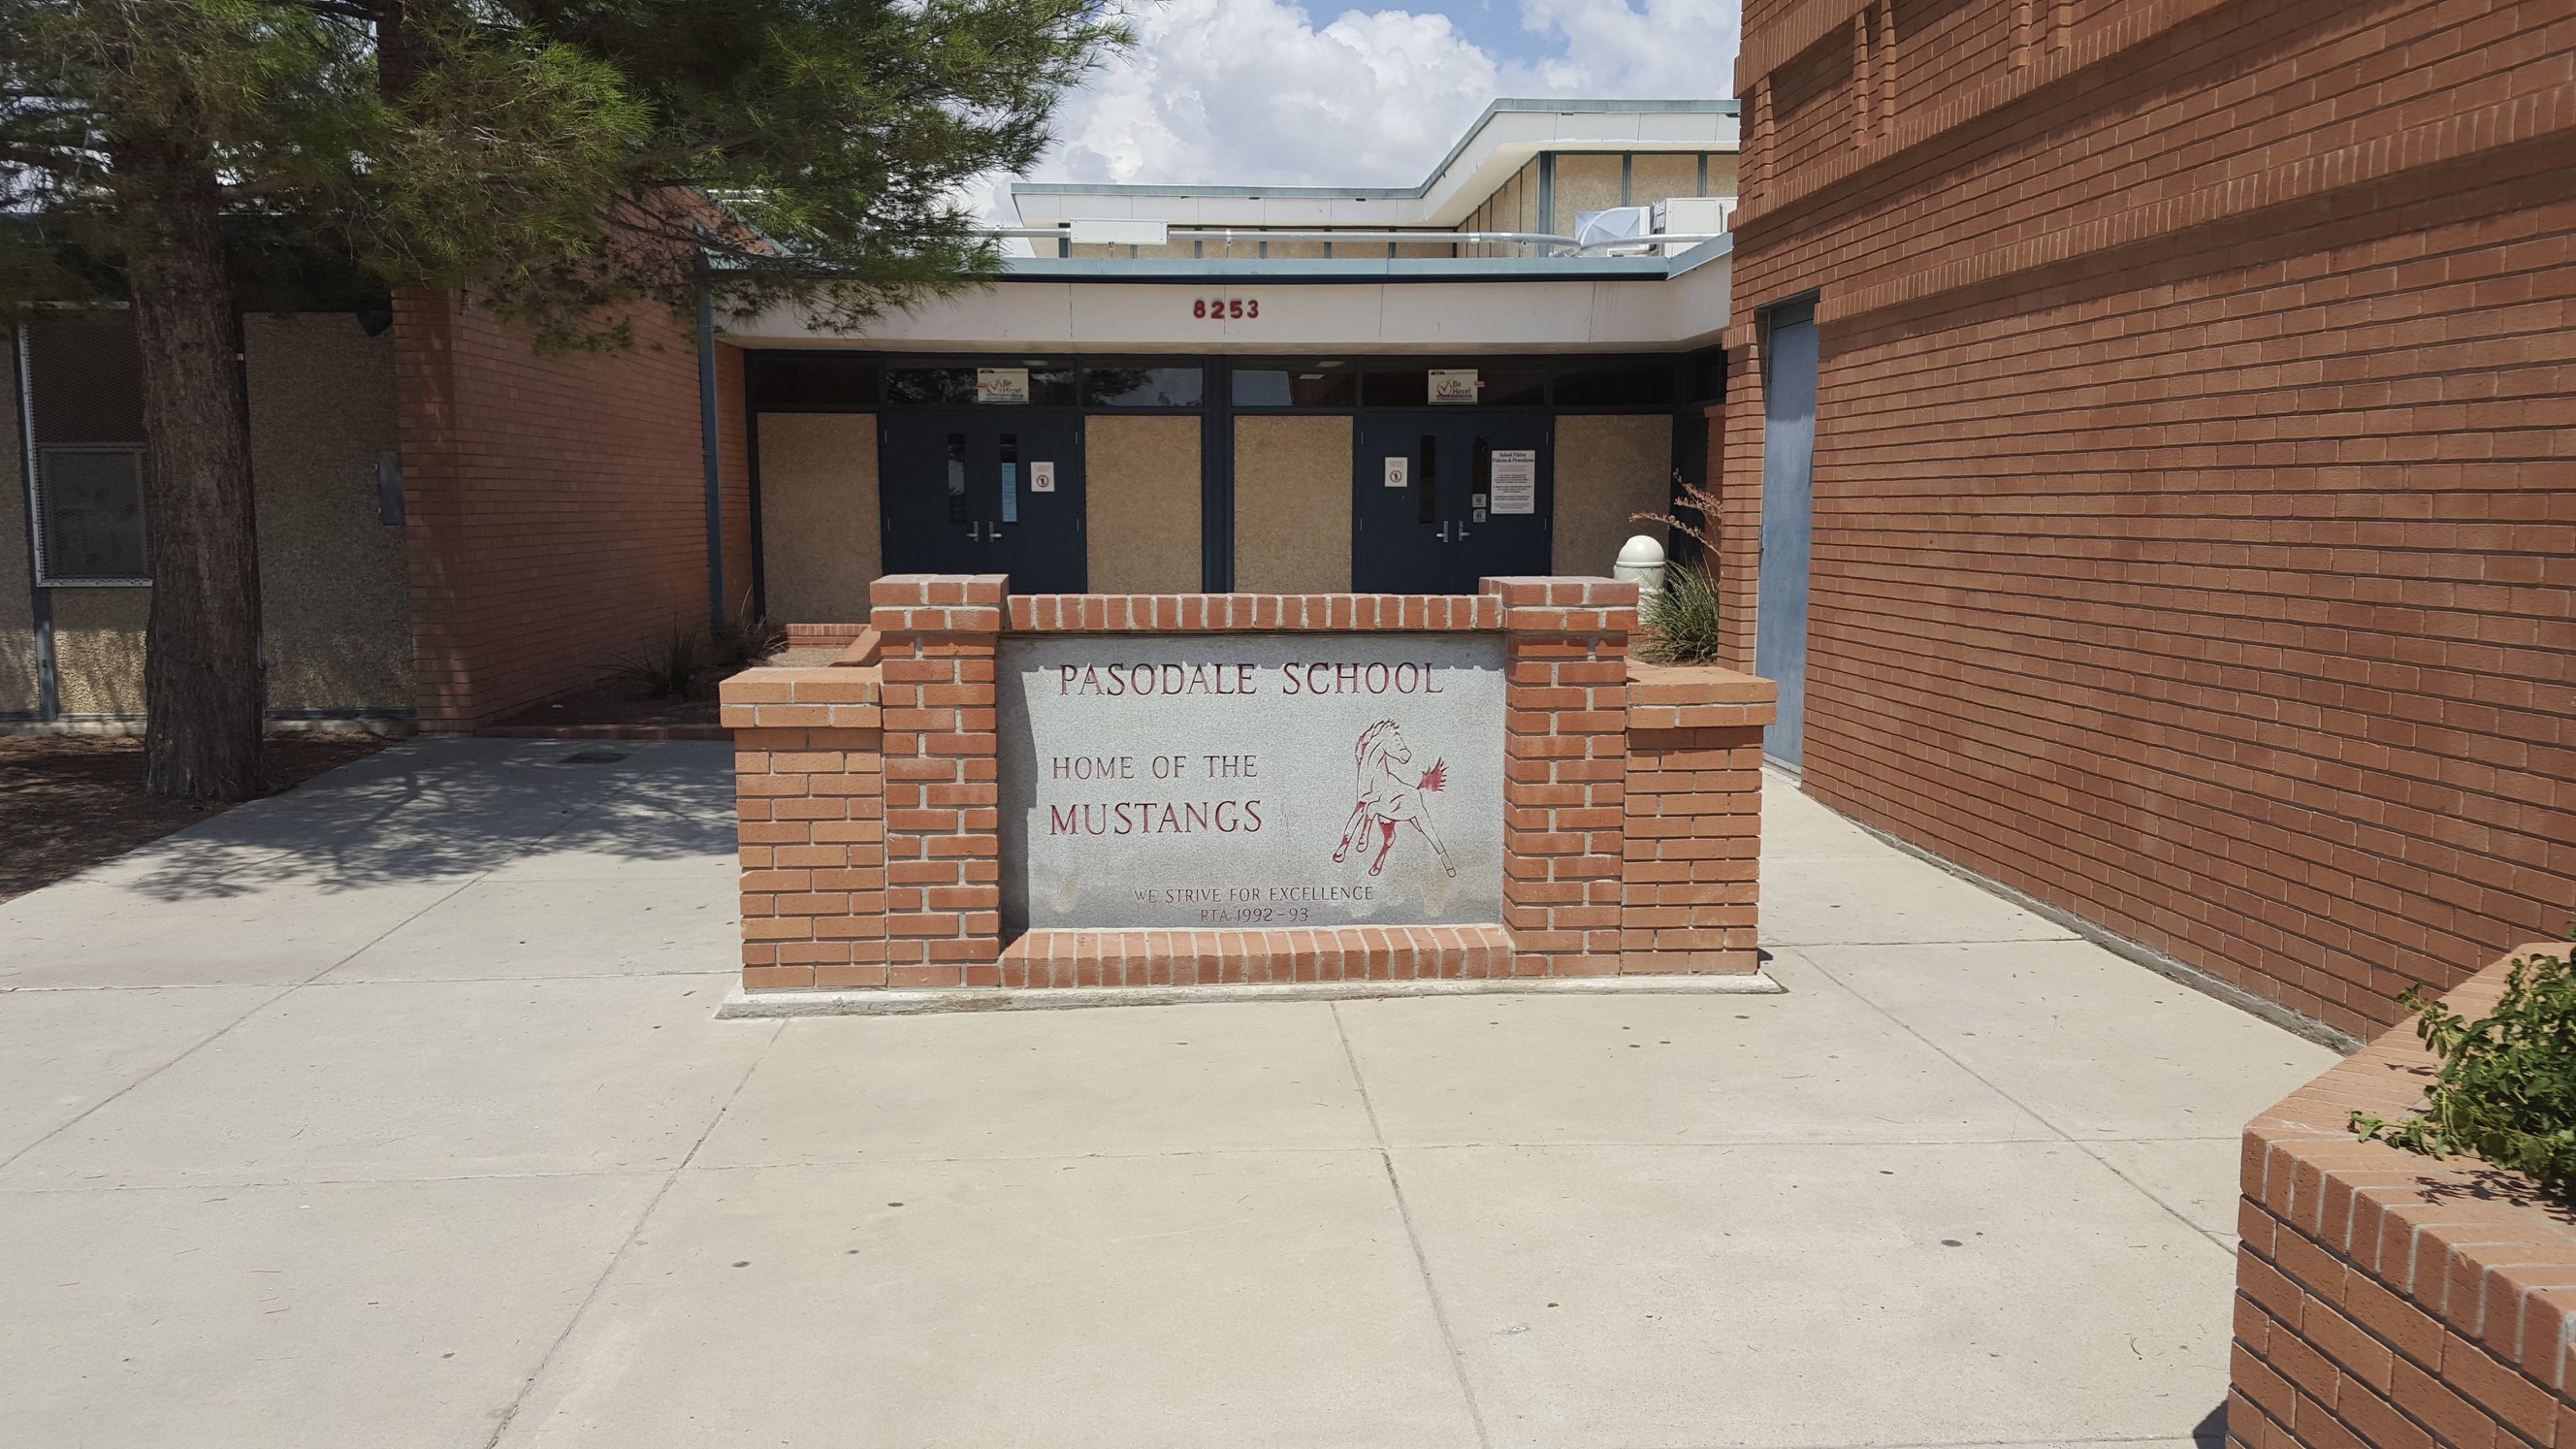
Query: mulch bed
x=68 y=802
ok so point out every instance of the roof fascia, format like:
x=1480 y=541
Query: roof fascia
x=1446 y=188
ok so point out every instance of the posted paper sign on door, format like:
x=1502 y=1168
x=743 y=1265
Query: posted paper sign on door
x=1515 y=480
x=1041 y=477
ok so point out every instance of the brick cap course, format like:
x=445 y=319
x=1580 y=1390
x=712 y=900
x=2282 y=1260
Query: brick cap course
x=831 y=697
x=1697 y=696
x=1249 y=613
x=880 y=1001
x=2477 y=1251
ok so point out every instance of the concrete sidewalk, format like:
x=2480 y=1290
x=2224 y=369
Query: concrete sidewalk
x=394 y=1111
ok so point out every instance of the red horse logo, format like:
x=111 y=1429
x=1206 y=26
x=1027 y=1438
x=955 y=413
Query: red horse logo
x=1389 y=796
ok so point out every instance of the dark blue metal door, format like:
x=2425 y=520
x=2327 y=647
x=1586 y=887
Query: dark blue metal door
x=1788 y=510
x=1441 y=498
x=984 y=493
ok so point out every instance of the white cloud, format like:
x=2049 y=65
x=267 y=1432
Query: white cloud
x=1253 y=92
x=1671 y=49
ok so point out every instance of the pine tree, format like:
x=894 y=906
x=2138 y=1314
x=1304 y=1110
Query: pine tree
x=570 y=160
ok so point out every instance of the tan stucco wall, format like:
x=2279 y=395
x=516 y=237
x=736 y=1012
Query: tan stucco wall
x=335 y=602
x=1606 y=469
x=18 y=689
x=1292 y=504
x=1659 y=177
x=1584 y=183
x=1141 y=504
x=98 y=648
x=821 y=537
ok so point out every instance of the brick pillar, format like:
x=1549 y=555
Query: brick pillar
x=1694 y=818
x=809 y=799
x=942 y=777
x=1736 y=477
x=1565 y=765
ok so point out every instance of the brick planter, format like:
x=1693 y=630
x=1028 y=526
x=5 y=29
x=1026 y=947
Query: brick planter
x=870 y=801
x=2389 y=1299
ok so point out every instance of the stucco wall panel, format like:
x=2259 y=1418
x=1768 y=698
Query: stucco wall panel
x=1606 y=469
x=1659 y=177
x=1292 y=504
x=1584 y=183
x=821 y=533
x=335 y=606
x=1142 y=505
x=98 y=648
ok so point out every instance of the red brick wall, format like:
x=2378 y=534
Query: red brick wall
x=557 y=505
x=1692 y=821
x=2391 y=1300
x=871 y=837
x=2193 y=540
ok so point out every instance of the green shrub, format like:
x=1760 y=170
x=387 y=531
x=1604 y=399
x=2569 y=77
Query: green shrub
x=745 y=641
x=1682 y=619
x=677 y=668
x=2506 y=1089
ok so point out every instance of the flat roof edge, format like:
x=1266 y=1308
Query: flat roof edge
x=1356 y=271
x=1506 y=106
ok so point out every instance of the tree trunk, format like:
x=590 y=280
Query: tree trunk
x=202 y=681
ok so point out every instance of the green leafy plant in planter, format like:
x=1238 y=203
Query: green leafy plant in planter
x=2506 y=1088
x=1681 y=619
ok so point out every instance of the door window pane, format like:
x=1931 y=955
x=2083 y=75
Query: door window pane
x=930 y=385
x=957 y=478
x=823 y=381
x=1309 y=385
x=1407 y=386
x=1511 y=387
x=1427 y=487
x=92 y=500
x=1611 y=386
x=1146 y=387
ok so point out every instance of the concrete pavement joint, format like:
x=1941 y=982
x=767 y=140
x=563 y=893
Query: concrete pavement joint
x=2062 y=1134
x=880 y=1001
x=2136 y=952
x=279 y=994
x=1413 y=1236
x=591 y=1295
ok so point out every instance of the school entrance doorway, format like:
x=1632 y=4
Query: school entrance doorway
x=1442 y=497
x=984 y=493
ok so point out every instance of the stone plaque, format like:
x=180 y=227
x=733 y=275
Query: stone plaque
x=1251 y=781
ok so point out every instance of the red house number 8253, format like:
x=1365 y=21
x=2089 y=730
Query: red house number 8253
x=1224 y=309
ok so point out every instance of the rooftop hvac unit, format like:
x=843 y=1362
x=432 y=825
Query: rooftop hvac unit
x=1618 y=224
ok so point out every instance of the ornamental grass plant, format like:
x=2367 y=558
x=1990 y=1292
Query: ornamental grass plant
x=2506 y=1088
x=1681 y=619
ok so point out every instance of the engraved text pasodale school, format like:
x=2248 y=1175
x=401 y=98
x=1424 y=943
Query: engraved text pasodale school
x=1250 y=781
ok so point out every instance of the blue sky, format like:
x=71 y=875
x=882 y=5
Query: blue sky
x=1277 y=93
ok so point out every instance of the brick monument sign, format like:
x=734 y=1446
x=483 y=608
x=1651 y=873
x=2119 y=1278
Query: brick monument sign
x=999 y=794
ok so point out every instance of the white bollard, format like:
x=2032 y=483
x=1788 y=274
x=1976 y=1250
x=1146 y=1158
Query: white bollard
x=1641 y=562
